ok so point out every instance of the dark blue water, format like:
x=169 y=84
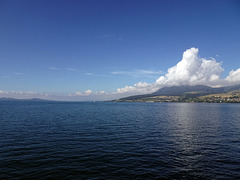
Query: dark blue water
x=59 y=140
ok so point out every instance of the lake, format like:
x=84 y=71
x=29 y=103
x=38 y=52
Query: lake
x=107 y=140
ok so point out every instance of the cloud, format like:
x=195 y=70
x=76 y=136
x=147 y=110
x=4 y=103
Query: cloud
x=54 y=68
x=102 y=92
x=105 y=36
x=233 y=77
x=138 y=73
x=88 y=74
x=112 y=37
x=96 y=75
x=191 y=70
x=86 y=93
x=140 y=87
x=71 y=69
x=24 y=95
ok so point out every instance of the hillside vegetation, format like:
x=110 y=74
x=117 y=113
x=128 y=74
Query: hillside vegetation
x=204 y=94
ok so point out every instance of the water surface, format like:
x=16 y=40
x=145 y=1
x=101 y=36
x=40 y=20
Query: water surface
x=103 y=140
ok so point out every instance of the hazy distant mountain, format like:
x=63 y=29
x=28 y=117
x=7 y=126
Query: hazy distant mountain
x=13 y=99
x=184 y=90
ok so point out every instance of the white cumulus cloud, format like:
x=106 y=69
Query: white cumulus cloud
x=234 y=76
x=86 y=93
x=191 y=70
x=140 y=87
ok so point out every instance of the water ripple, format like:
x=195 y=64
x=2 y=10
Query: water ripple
x=42 y=140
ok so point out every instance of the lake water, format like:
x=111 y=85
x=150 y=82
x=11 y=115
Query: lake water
x=106 y=140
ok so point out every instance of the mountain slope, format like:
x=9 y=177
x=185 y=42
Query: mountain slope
x=181 y=93
x=180 y=90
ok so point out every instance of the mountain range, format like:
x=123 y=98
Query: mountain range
x=32 y=99
x=186 y=93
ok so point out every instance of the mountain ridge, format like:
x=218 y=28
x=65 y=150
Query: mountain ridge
x=31 y=99
x=184 y=92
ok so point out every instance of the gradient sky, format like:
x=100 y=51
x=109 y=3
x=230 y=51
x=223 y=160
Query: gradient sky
x=63 y=47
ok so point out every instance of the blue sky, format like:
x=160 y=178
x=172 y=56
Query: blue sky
x=63 y=47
